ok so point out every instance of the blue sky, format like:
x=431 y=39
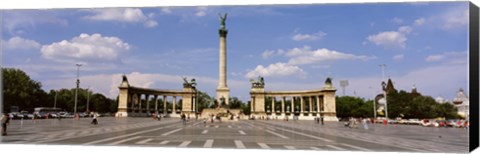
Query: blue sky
x=295 y=47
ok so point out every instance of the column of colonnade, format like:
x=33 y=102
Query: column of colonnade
x=138 y=104
x=315 y=103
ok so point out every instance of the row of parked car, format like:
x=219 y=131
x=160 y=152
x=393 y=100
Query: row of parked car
x=455 y=123
x=26 y=115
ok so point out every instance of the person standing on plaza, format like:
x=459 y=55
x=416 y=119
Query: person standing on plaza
x=321 y=120
x=5 y=120
x=159 y=117
x=94 y=119
x=184 y=119
x=364 y=122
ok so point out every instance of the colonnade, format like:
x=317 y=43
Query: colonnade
x=131 y=102
x=314 y=106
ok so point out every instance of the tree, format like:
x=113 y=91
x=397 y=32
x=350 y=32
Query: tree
x=19 y=90
x=234 y=103
x=204 y=101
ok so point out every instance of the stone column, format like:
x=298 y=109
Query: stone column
x=302 y=107
x=165 y=112
x=310 y=108
x=140 y=103
x=283 y=106
x=174 y=109
x=133 y=102
x=194 y=104
x=292 y=107
x=251 y=105
x=156 y=103
x=222 y=89
x=147 y=98
x=273 y=106
x=318 y=105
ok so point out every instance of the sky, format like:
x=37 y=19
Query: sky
x=294 y=47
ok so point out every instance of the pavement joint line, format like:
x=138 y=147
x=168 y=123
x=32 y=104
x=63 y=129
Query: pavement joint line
x=279 y=135
x=336 y=148
x=163 y=142
x=355 y=147
x=171 y=132
x=124 y=140
x=208 y=143
x=144 y=141
x=239 y=144
x=63 y=138
x=184 y=143
x=263 y=145
x=127 y=135
x=315 y=148
x=289 y=147
x=307 y=135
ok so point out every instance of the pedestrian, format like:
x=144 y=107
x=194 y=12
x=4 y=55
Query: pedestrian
x=159 y=117
x=321 y=120
x=5 y=119
x=184 y=120
x=94 y=119
x=364 y=122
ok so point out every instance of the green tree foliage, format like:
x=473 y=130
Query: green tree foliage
x=19 y=90
x=400 y=104
x=348 y=106
x=204 y=101
x=234 y=103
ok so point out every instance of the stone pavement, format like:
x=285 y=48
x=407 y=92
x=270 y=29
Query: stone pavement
x=243 y=134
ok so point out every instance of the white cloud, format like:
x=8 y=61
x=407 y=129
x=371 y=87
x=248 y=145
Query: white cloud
x=22 y=21
x=405 y=29
x=398 y=57
x=419 y=22
x=305 y=55
x=397 y=20
x=129 y=15
x=310 y=37
x=389 y=39
x=166 y=10
x=433 y=58
x=201 y=11
x=86 y=48
x=455 y=18
x=268 y=53
x=18 y=43
x=277 y=69
x=150 y=23
x=450 y=57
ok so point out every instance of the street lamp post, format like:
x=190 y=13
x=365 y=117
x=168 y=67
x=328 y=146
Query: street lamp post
x=76 y=90
x=385 y=90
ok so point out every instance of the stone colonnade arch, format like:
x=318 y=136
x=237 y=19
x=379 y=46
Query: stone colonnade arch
x=131 y=104
x=303 y=104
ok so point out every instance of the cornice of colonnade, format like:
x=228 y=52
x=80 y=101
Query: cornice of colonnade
x=147 y=91
x=296 y=93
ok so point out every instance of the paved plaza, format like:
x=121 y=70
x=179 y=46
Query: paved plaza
x=243 y=134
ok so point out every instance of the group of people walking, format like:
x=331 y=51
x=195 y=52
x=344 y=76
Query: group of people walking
x=354 y=122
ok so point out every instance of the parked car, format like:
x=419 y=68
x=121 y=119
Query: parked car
x=31 y=115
